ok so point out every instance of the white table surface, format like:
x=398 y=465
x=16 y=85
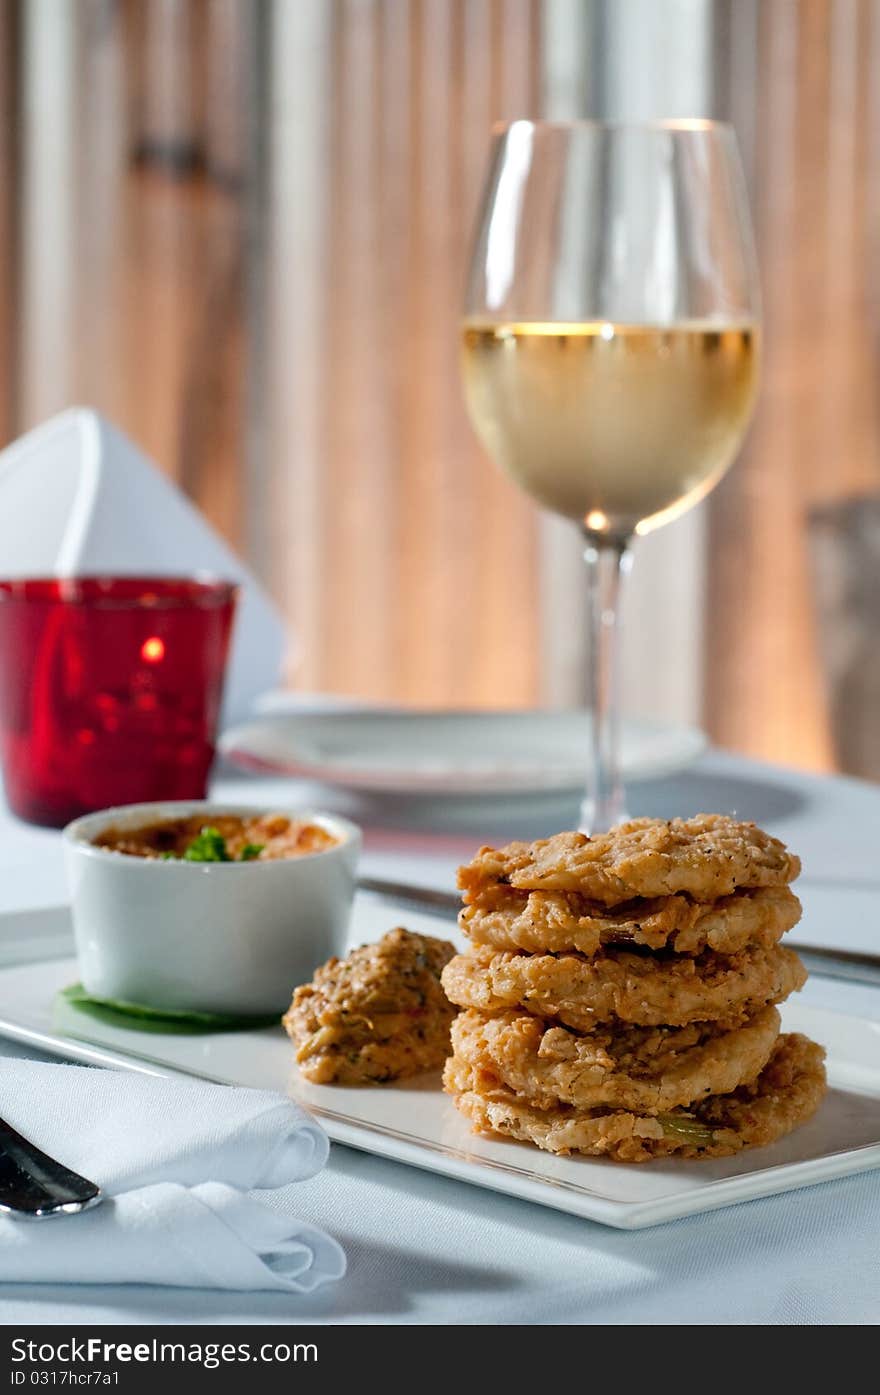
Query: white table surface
x=425 y=1249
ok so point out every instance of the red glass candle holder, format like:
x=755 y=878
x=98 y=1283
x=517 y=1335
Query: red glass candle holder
x=110 y=690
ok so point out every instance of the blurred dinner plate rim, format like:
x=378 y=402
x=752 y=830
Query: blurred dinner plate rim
x=278 y=744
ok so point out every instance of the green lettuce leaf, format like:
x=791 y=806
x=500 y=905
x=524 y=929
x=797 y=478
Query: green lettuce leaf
x=139 y=1017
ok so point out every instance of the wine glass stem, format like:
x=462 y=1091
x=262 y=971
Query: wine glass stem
x=608 y=560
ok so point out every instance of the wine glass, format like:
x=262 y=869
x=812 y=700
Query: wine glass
x=610 y=347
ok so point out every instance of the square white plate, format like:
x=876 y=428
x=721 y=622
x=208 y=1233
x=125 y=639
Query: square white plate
x=415 y=1123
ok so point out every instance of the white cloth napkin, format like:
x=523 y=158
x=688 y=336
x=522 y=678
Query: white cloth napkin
x=176 y=1160
x=124 y=1130
x=209 y=1236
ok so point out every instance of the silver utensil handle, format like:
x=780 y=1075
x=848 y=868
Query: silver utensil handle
x=33 y=1184
x=416 y=898
x=839 y=963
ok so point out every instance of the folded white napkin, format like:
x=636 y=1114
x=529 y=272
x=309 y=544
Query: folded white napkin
x=124 y=1130
x=175 y=1159
x=209 y=1236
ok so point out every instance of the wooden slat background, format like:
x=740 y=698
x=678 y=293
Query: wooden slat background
x=805 y=92
x=407 y=560
x=241 y=231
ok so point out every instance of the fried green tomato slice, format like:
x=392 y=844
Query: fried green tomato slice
x=645 y=1069
x=785 y=1095
x=705 y=857
x=623 y=986
x=556 y=922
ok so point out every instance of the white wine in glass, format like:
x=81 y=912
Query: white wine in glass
x=610 y=347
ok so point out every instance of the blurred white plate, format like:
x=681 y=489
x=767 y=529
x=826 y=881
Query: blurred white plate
x=450 y=753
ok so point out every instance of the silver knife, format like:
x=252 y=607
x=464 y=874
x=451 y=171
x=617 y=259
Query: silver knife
x=849 y=964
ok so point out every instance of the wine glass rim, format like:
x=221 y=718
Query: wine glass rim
x=673 y=124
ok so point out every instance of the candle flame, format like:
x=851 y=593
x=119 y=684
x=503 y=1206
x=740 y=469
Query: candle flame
x=153 y=650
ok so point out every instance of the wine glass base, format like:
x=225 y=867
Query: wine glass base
x=596 y=817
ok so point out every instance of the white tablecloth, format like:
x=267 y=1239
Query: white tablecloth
x=425 y=1249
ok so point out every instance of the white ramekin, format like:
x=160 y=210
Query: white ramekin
x=228 y=937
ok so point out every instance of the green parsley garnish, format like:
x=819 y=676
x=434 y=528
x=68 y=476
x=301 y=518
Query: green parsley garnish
x=210 y=846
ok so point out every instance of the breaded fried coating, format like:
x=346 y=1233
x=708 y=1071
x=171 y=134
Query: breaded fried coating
x=705 y=857
x=557 y=921
x=622 y=986
x=378 y=1015
x=645 y=1069
x=786 y=1093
